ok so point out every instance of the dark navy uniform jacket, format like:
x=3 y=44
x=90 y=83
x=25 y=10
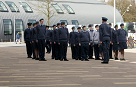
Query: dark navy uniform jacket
x=121 y=35
x=33 y=34
x=72 y=37
x=27 y=35
x=105 y=32
x=114 y=36
x=52 y=36
x=41 y=32
x=48 y=35
x=84 y=37
x=63 y=34
x=56 y=35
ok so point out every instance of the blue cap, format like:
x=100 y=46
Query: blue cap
x=73 y=27
x=53 y=25
x=96 y=26
x=29 y=24
x=115 y=26
x=58 y=24
x=79 y=28
x=41 y=19
x=104 y=18
x=122 y=24
x=89 y=25
x=37 y=22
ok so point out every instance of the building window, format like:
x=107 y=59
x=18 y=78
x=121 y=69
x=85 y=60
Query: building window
x=19 y=25
x=7 y=26
x=32 y=21
x=58 y=9
x=3 y=8
x=12 y=6
x=66 y=23
x=75 y=22
x=69 y=9
x=26 y=7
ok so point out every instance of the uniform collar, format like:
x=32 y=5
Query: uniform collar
x=84 y=31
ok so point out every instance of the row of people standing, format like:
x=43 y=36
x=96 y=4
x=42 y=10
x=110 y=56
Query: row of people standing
x=82 y=42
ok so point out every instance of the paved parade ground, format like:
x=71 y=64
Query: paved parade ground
x=18 y=71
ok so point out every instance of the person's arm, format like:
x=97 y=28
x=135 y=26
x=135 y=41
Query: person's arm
x=100 y=33
x=67 y=36
x=117 y=36
x=93 y=37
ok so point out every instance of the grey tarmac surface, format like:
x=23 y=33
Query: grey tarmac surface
x=18 y=71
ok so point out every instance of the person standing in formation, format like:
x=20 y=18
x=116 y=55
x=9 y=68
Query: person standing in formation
x=27 y=40
x=105 y=39
x=52 y=41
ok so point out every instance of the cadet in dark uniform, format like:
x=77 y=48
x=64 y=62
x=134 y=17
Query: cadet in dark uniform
x=40 y=39
x=63 y=41
x=84 y=43
x=90 y=53
x=72 y=41
x=52 y=41
x=32 y=40
x=77 y=43
x=96 y=42
x=114 y=41
x=122 y=41
x=48 y=35
x=36 y=44
x=56 y=39
x=105 y=39
x=27 y=40
x=110 y=50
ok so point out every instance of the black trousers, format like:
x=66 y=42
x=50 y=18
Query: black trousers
x=106 y=47
x=79 y=52
x=63 y=50
x=28 y=48
x=73 y=50
x=90 y=53
x=110 y=51
x=33 y=50
x=84 y=50
x=41 y=44
x=53 y=50
x=48 y=46
x=57 y=51
x=96 y=50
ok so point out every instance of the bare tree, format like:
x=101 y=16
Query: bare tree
x=130 y=16
x=44 y=7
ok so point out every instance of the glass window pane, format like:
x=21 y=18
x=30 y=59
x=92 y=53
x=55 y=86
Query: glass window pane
x=12 y=6
x=69 y=9
x=75 y=22
x=26 y=7
x=7 y=26
x=66 y=23
x=58 y=9
x=19 y=25
x=3 y=8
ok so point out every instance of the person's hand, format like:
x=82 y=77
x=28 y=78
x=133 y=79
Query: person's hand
x=100 y=42
x=89 y=43
x=79 y=44
x=74 y=45
x=59 y=43
x=110 y=42
x=32 y=41
x=54 y=42
x=67 y=42
x=50 y=42
x=37 y=41
x=93 y=44
x=118 y=43
x=24 y=41
x=45 y=41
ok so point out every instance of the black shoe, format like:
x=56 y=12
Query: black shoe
x=82 y=59
x=61 y=60
x=29 y=57
x=111 y=58
x=36 y=58
x=66 y=60
x=116 y=59
x=122 y=59
x=98 y=59
x=56 y=59
x=42 y=60
x=47 y=52
x=33 y=58
x=76 y=59
x=86 y=60
x=104 y=62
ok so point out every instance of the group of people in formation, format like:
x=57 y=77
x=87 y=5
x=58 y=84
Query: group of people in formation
x=103 y=41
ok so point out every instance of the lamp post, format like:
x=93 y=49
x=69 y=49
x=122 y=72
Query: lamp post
x=16 y=9
x=114 y=12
